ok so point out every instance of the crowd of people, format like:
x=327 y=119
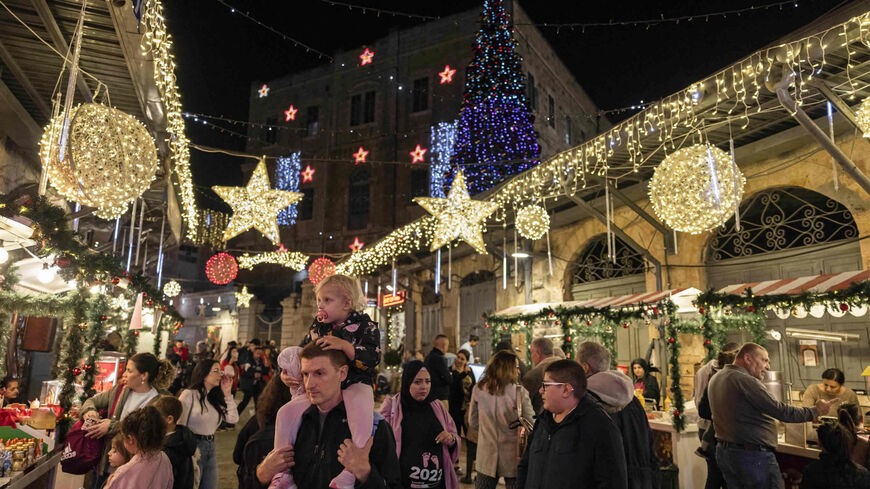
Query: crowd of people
x=550 y=424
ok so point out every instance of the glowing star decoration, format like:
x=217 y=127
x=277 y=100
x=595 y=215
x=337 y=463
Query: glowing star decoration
x=256 y=205
x=418 y=155
x=263 y=91
x=320 y=269
x=308 y=174
x=447 y=74
x=356 y=245
x=290 y=114
x=366 y=57
x=172 y=288
x=243 y=297
x=360 y=156
x=458 y=216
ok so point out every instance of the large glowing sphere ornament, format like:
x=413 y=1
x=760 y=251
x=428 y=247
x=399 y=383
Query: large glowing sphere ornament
x=221 y=268
x=103 y=159
x=696 y=189
x=320 y=269
x=862 y=115
x=172 y=289
x=533 y=222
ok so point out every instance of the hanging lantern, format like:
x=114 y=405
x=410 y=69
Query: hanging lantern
x=172 y=288
x=320 y=269
x=107 y=161
x=696 y=189
x=221 y=268
x=533 y=222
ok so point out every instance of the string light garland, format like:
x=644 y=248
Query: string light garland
x=210 y=228
x=243 y=297
x=379 y=11
x=862 y=115
x=158 y=43
x=308 y=174
x=290 y=114
x=458 y=216
x=418 y=155
x=360 y=156
x=289 y=259
x=695 y=189
x=221 y=268
x=495 y=123
x=356 y=245
x=533 y=222
x=447 y=74
x=320 y=269
x=287 y=178
x=110 y=159
x=366 y=57
x=442 y=140
x=407 y=239
x=256 y=205
x=171 y=289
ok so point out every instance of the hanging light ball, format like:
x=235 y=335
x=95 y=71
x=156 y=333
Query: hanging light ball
x=862 y=115
x=221 y=268
x=47 y=274
x=320 y=269
x=106 y=159
x=533 y=222
x=696 y=189
x=172 y=288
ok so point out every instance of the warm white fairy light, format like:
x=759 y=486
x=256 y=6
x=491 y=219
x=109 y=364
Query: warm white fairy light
x=171 y=288
x=695 y=188
x=290 y=259
x=243 y=297
x=863 y=117
x=110 y=158
x=533 y=222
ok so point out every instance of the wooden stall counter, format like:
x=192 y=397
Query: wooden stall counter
x=679 y=449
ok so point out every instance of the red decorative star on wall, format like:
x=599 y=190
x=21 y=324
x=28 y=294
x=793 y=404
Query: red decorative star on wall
x=290 y=114
x=418 y=154
x=366 y=57
x=263 y=91
x=308 y=174
x=356 y=245
x=447 y=74
x=360 y=156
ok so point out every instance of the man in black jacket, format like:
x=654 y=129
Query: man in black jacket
x=323 y=446
x=574 y=443
x=436 y=364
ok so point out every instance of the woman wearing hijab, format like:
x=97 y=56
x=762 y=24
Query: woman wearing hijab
x=644 y=381
x=426 y=439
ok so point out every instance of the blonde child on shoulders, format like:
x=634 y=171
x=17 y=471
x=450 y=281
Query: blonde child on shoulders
x=340 y=325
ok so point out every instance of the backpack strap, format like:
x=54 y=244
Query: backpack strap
x=377 y=419
x=118 y=391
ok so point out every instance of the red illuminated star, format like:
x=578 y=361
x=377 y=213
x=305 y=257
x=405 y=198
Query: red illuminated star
x=360 y=156
x=356 y=245
x=308 y=174
x=418 y=154
x=264 y=91
x=366 y=57
x=290 y=114
x=447 y=75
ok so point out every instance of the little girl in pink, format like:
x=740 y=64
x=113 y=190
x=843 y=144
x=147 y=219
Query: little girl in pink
x=339 y=325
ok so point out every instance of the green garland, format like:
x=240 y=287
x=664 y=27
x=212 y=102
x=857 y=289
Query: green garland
x=672 y=330
x=857 y=294
x=72 y=350
x=93 y=341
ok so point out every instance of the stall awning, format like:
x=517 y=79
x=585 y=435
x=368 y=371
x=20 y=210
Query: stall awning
x=681 y=297
x=811 y=283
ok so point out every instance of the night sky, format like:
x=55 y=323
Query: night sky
x=220 y=53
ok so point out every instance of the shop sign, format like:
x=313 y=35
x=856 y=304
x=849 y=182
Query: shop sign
x=389 y=300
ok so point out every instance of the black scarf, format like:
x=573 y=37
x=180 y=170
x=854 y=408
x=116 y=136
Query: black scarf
x=410 y=370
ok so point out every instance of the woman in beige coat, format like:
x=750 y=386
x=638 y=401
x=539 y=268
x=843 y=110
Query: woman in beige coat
x=493 y=412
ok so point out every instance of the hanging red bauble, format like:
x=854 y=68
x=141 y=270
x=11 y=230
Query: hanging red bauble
x=320 y=269
x=504 y=328
x=671 y=340
x=750 y=308
x=701 y=310
x=844 y=307
x=551 y=314
x=163 y=308
x=588 y=323
x=76 y=371
x=116 y=280
x=144 y=294
x=625 y=325
x=103 y=318
x=557 y=322
x=149 y=303
x=136 y=333
x=62 y=262
x=568 y=339
x=525 y=323
x=221 y=268
x=676 y=413
x=707 y=342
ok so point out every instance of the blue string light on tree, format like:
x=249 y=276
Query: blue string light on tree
x=496 y=136
x=441 y=140
x=287 y=178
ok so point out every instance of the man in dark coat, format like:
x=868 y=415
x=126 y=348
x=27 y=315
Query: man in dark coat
x=574 y=443
x=436 y=364
x=614 y=391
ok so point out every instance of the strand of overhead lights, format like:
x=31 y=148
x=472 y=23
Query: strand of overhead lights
x=379 y=11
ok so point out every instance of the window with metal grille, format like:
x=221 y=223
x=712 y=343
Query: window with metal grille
x=369 y=107
x=594 y=264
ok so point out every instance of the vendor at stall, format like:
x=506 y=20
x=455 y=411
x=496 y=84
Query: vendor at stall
x=8 y=391
x=831 y=388
x=645 y=381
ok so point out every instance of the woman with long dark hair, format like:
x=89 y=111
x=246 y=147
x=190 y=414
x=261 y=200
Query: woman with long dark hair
x=852 y=418
x=144 y=379
x=206 y=403
x=835 y=469
x=645 y=381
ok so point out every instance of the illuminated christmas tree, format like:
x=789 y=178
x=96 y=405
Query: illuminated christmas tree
x=496 y=136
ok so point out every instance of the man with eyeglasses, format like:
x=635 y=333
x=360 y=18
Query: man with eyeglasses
x=574 y=443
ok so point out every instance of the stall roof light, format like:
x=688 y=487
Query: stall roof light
x=812 y=334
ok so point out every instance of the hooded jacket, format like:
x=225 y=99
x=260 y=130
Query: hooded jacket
x=614 y=392
x=180 y=446
x=584 y=450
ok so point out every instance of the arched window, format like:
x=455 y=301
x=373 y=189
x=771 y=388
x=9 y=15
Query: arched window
x=358 y=199
x=594 y=263
x=779 y=219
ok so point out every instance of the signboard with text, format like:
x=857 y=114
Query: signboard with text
x=389 y=300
